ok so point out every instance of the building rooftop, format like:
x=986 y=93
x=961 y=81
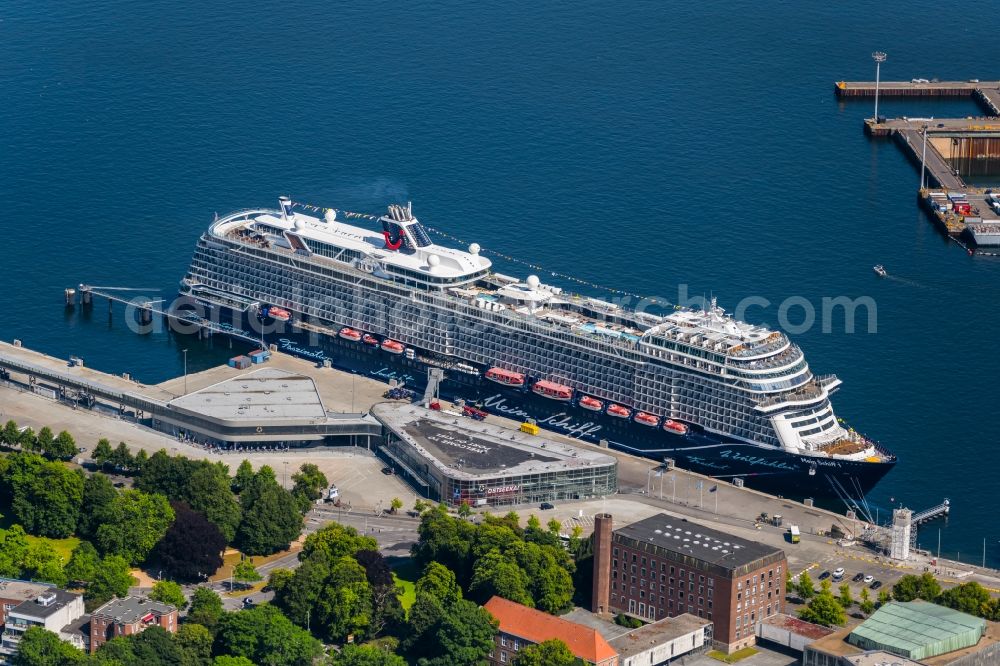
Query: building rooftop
x=535 y=626
x=691 y=539
x=49 y=602
x=917 y=630
x=797 y=626
x=258 y=396
x=470 y=449
x=21 y=590
x=652 y=635
x=879 y=658
x=131 y=609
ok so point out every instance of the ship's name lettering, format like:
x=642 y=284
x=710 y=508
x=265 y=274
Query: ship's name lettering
x=756 y=461
x=697 y=460
x=291 y=347
x=386 y=373
x=561 y=421
x=813 y=461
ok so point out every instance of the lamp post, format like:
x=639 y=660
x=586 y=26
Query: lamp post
x=284 y=474
x=185 y=371
x=879 y=58
x=923 y=160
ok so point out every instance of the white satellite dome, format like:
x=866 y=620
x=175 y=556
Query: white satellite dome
x=300 y=223
x=474 y=248
x=330 y=215
x=433 y=261
x=533 y=281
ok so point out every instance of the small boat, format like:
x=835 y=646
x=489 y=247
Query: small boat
x=505 y=377
x=350 y=334
x=369 y=340
x=675 y=427
x=880 y=270
x=392 y=346
x=548 y=389
x=593 y=404
x=647 y=419
x=278 y=314
x=618 y=411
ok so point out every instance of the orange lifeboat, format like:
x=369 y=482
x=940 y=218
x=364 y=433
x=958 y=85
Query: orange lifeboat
x=675 y=427
x=392 y=346
x=505 y=377
x=647 y=419
x=369 y=340
x=548 y=389
x=278 y=314
x=350 y=334
x=618 y=411
x=593 y=404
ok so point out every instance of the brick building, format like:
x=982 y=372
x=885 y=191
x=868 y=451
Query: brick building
x=521 y=626
x=665 y=566
x=131 y=615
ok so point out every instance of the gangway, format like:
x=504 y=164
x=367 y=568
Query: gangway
x=434 y=378
x=941 y=509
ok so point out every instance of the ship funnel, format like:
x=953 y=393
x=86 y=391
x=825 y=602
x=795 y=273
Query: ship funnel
x=286 y=208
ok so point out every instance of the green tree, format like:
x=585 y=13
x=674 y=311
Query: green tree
x=365 y=655
x=805 y=586
x=244 y=476
x=136 y=521
x=395 y=505
x=278 y=579
x=40 y=647
x=228 y=660
x=13 y=549
x=419 y=506
x=206 y=608
x=43 y=441
x=824 y=609
x=246 y=572
x=113 y=578
x=844 y=598
x=10 y=435
x=265 y=636
x=121 y=458
x=83 y=563
x=494 y=574
x=309 y=483
x=884 y=597
x=139 y=461
x=207 y=491
x=271 y=519
x=155 y=645
x=464 y=510
x=102 y=452
x=64 y=446
x=552 y=652
x=26 y=439
x=912 y=587
x=195 y=644
x=867 y=605
x=464 y=636
x=42 y=562
x=98 y=493
x=46 y=496
x=168 y=592
x=971 y=598
x=335 y=540
x=438 y=581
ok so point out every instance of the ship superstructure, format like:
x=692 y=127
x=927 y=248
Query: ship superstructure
x=687 y=372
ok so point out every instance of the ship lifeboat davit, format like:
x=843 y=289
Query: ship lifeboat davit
x=647 y=419
x=592 y=404
x=554 y=391
x=392 y=346
x=505 y=377
x=369 y=340
x=618 y=411
x=675 y=427
x=278 y=314
x=350 y=334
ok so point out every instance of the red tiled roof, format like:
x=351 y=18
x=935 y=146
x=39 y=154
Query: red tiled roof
x=535 y=626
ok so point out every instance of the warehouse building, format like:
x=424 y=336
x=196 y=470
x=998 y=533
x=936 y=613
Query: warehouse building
x=665 y=566
x=453 y=459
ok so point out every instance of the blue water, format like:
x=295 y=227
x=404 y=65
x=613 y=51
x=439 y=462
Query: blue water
x=640 y=145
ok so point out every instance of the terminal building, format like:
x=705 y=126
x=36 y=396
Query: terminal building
x=665 y=566
x=452 y=459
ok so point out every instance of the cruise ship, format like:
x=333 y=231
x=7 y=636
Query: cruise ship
x=694 y=387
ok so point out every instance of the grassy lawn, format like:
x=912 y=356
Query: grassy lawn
x=734 y=657
x=405 y=574
x=62 y=546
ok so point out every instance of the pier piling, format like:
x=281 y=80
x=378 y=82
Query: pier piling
x=70 y=297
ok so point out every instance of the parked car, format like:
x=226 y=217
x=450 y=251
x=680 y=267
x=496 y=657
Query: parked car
x=838 y=573
x=869 y=579
x=824 y=575
x=877 y=584
x=387 y=471
x=858 y=577
x=546 y=505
